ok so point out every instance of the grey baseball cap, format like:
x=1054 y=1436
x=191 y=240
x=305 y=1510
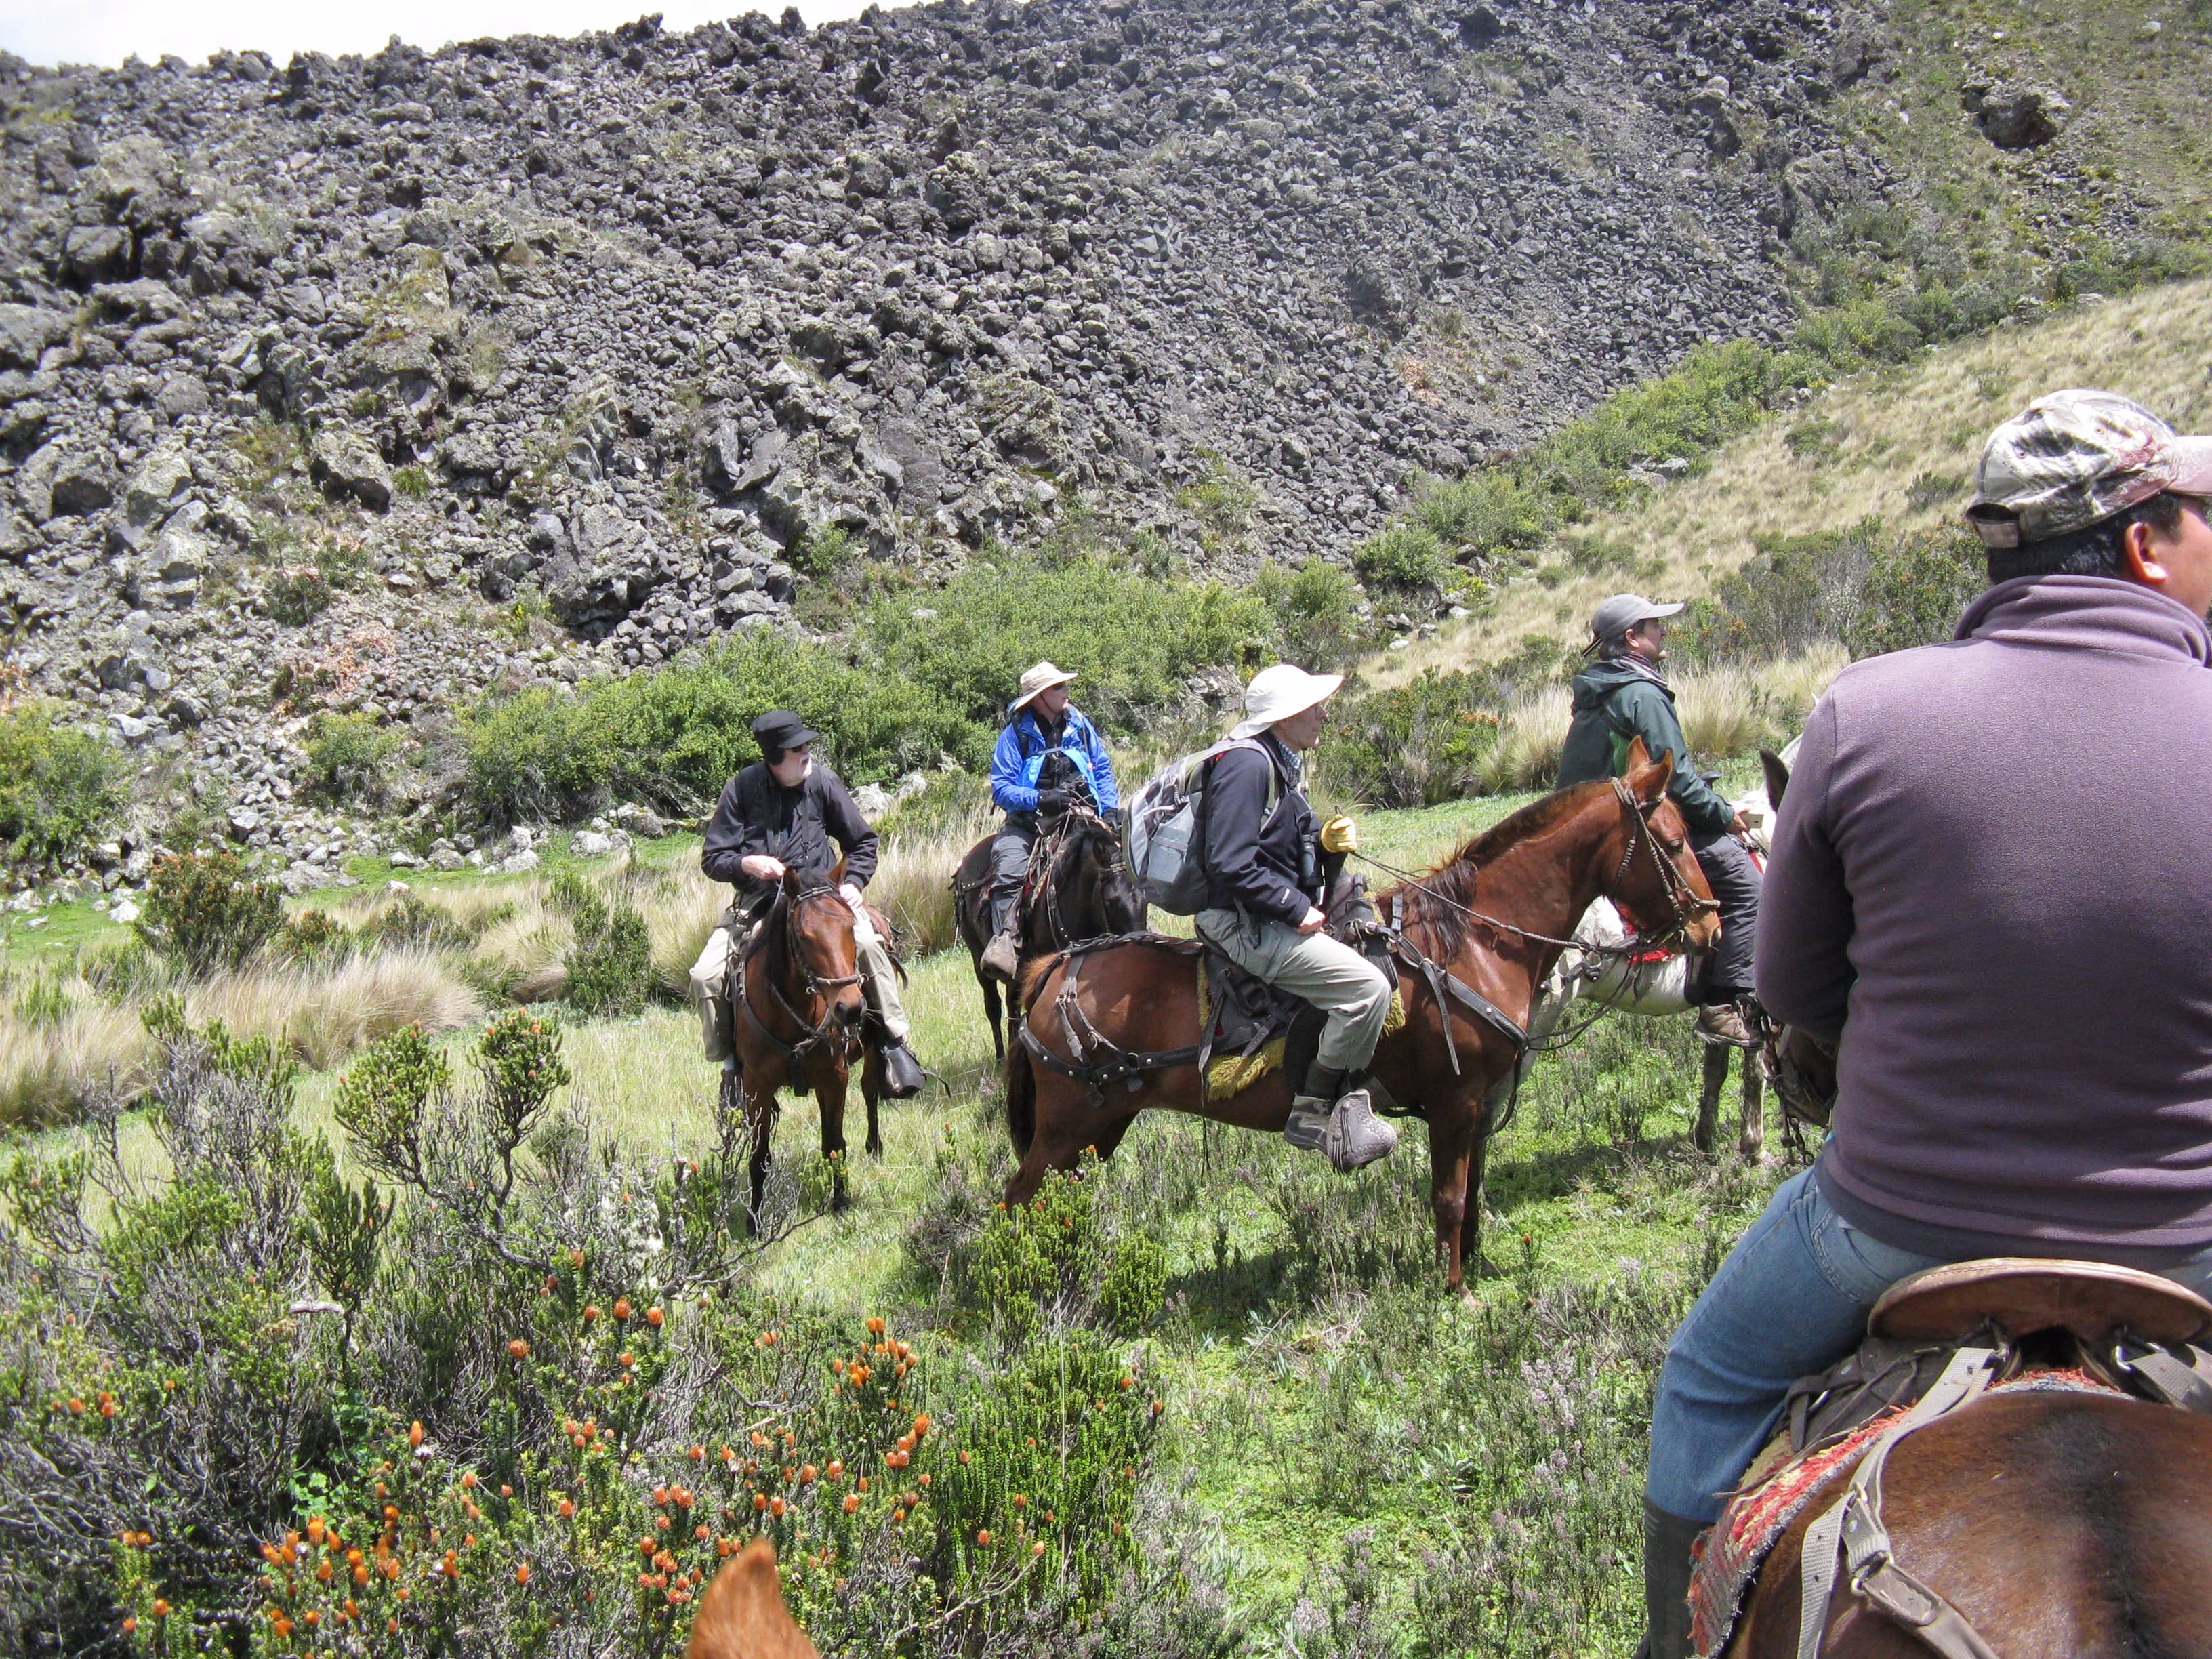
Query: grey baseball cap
x=1623 y=611
x=2075 y=457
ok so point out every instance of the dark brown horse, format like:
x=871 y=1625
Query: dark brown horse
x=1080 y=888
x=797 y=1021
x=2063 y=1526
x=1495 y=915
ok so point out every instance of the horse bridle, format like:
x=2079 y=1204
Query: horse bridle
x=1688 y=905
x=1077 y=819
x=818 y=989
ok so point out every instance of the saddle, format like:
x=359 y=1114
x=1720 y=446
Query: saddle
x=1936 y=1342
x=1248 y=1028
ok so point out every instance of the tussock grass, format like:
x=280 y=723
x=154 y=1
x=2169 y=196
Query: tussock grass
x=325 y=1014
x=47 y=1067
x=912 y=883
x=1898 y=443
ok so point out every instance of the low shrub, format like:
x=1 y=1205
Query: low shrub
x=611 y=962
x=1865 y=587
x=206 y=912
x=60 y=788
x=511 y=1390
x=1403 y=557
x=351 y=758
x=1315 y=608
x=297 y=594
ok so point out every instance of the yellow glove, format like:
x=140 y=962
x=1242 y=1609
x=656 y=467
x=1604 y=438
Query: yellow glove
x=1339 y=835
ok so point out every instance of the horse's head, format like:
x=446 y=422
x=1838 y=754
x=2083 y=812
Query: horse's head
x=1109 y=893
x=819 y=935
x=1652 y=875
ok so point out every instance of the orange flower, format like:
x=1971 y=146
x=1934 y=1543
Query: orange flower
x=160 y=1608
x=130 y=1623
x=851 y=1503
x=568 y=1508
x=415 y=1434
x=806 y=1475
x=922 y=1425
x=697 y=1454
x=518 y=1349
x=837 y=1467
x=591 y=1312
x=622 y=1307
x=654 y=1316
x=984 y=1536
x=469 y=1481
x=522 y=1573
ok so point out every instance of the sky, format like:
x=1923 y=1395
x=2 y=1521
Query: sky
x=106 y=32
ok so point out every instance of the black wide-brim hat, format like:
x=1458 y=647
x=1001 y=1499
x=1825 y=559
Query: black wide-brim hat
x=781 y=729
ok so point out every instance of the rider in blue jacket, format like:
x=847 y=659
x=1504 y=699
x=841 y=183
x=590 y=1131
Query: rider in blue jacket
x=1042 y=722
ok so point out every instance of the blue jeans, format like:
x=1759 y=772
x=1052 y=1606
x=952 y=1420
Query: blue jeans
x=1792 y=1298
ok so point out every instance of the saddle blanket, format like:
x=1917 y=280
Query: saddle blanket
x=1251 y=1036
x=1779 y=1489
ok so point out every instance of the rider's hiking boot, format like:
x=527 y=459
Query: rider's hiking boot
x=902 y=1074
x=1002 y=956
x=1723 y=1023
x=1667 y=1567
x=1340 y=1124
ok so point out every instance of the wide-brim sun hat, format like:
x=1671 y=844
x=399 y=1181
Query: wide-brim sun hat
x=1042 y=678
x=1278 y=693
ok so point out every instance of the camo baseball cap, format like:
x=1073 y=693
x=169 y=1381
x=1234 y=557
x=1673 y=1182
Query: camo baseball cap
x=2074 y=457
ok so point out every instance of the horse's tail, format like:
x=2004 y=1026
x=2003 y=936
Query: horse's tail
x=1021 y=1095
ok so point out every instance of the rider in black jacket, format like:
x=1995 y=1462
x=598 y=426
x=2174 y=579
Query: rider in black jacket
x=782 y=813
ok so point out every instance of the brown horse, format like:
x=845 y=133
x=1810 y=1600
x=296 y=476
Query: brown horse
x=1495 y=916
x=2063 y=1526
x=1080 y=888
x=797 y=1021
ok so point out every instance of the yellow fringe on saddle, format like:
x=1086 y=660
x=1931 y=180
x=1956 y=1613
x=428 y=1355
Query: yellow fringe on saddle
x=1232 y=1074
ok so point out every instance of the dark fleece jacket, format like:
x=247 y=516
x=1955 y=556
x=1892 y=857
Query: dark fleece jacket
x=2020 y=966
x=1617 y=700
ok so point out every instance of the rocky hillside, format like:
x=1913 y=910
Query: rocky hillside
x=305 y=362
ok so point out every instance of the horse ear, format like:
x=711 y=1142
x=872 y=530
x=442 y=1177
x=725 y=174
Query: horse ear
x=1649 y=782
x=1639 y=756
x=742 y=1616
x=791 y=881
x=837 y=876
x=1777 y=776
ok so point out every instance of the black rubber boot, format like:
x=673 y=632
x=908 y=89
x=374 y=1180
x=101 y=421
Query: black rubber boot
x=1667 y=1564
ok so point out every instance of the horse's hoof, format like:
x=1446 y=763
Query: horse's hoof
x=875 y=1147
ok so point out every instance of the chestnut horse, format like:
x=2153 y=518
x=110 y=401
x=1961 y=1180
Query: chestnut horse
x=797 y=1021
x=1080 y=888
x=2062 y=1525
x=1495 y=916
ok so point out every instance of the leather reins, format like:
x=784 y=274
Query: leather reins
x=816 y=1033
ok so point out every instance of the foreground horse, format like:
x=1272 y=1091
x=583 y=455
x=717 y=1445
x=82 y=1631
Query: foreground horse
x=742 y=1615
x=796 y=1023
x=1080 y=888
x=1495 y=917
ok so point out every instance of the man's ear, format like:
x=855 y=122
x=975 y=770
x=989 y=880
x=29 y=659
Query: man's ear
x=1639 y=756
x=2139 y=559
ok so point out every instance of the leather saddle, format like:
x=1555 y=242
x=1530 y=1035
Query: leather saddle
x=1248 y=1014
x=2132 y=1329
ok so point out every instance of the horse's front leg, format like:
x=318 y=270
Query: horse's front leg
x=1451 y=1159
x=829 y=1097
x=1709 y=1095
x=1750 y=1139
x=871 y=1090
x=759 y=1130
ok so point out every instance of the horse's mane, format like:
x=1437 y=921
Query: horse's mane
x=1441 y=898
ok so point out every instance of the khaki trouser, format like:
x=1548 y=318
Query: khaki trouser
x=1336 y=979
x=710 y=985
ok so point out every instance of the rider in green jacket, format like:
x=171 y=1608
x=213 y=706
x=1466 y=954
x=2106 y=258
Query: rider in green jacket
x=1621 y=696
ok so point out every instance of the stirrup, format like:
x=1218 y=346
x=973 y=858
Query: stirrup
x=1355 y=1137
x=1002 y=958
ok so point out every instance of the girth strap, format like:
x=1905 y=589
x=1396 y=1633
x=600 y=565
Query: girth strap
x=1850 y=1534
x=1444 y=985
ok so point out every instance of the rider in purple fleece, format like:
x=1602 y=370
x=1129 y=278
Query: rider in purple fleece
x=1989 y=883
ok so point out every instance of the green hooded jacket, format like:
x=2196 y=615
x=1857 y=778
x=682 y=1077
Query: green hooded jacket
x=1617 y=700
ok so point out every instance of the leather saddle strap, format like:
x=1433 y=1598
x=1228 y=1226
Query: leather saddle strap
x=1443 y=983
x=1850 y=1530
x=2167 y=1377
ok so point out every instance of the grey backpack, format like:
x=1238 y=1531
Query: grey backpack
x=1166 y=820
